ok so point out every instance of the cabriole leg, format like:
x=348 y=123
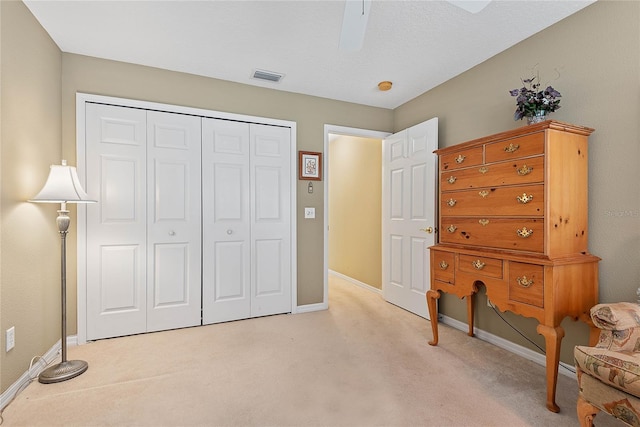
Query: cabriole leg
x=586 y=412
x=470 y=300
x=552 y=338
x=432 y=296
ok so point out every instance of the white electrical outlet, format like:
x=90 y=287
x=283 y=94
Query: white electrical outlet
x=11 y=338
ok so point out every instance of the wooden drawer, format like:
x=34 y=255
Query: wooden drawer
x=461 y=159
x=523 y=234
x=526 y=283
x=522 y=171
x=443 y=266
x=480 y=265
x=524 y=146
x=505 y=201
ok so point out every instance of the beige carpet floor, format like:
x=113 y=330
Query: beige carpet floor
x=363 y=362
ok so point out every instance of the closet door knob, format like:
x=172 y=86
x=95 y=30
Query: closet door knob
x=229 y=231
x=172 y=233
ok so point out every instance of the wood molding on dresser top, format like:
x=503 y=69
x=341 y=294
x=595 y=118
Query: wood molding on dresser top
x=513 y=218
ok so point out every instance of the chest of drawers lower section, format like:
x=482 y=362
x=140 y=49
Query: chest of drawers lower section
x=543 y=289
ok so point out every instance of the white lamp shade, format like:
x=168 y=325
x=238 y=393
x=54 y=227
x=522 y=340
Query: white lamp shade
x=62 y=186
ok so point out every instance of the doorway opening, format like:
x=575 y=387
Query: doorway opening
x=352 y=241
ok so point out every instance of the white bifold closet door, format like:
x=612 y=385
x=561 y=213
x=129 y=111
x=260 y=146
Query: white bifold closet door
x=246 y=197
x=144 y=236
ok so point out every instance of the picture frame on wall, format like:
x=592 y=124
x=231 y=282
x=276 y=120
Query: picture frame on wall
x=309 y=165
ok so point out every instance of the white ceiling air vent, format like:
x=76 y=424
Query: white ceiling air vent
x=268 y=76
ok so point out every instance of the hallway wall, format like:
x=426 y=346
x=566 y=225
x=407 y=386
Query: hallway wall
x=355 y=208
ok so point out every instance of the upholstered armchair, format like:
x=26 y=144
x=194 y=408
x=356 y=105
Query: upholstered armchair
x=609 y=373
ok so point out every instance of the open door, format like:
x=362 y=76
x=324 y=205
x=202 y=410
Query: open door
x=408 y=214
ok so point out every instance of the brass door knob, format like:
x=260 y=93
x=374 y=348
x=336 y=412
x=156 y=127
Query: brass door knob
x=428 y=230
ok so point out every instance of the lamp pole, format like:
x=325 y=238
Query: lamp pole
x=64 y=370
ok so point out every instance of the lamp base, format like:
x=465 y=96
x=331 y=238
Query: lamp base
x=63 y=371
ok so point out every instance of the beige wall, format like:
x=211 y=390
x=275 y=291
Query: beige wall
x=597 y=55
x=30 y=142
x=355 y=206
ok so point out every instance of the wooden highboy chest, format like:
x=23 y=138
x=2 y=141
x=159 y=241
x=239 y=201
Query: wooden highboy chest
x=513 y=218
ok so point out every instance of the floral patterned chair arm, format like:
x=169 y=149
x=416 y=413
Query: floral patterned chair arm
x=609 y=373
x=619 y=324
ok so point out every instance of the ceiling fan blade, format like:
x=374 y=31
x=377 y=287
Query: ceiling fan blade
x=472 y=6
x=354 y=24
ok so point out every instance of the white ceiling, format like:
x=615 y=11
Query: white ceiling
x=415 y=44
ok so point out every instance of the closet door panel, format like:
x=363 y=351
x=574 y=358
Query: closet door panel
x=116 y=248
x=226 y=226
x=267 y=266
x=173 y=221
x=270 y=220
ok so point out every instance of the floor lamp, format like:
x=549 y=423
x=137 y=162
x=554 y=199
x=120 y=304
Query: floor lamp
x=63 y=186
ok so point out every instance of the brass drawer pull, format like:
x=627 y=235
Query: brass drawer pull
x=524 y=170
x=451 y=180
x=483 y=193
x=443 y=265
x=524 y=199
x=483 y=222
x=452 y=202
x=479 y=265
x=524 y=233
x=452 y=228
x=524 y=282
x=511 y=148
x=483 y=170
x=460 y=158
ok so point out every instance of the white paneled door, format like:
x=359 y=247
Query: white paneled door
x=173 y=221
x=246 y=196
x=116 y=241
x=270 y=174
x=143 y=238
x=408 y=214
x=194 y=220
x=226 y=227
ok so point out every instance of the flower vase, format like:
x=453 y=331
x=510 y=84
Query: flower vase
x=540 y=116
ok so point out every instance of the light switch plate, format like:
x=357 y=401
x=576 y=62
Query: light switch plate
x=309 y=213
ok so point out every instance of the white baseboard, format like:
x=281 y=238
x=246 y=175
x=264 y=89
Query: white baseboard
x=356 y=282
x=528 y=354
x=308 y=308
x=40 y=365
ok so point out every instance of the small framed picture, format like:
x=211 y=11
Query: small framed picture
x=309 y=165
